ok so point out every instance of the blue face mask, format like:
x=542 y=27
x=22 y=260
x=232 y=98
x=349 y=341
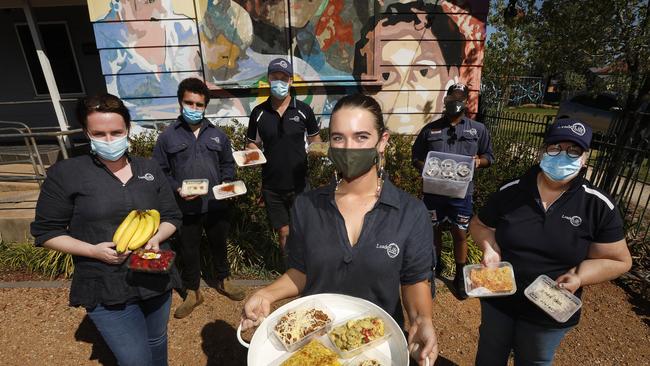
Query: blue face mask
x=279 y=88
x=110 y=150
x=560 y=167
x=192 y=116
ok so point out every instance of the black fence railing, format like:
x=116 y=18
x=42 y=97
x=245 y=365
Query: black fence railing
x=619 y=161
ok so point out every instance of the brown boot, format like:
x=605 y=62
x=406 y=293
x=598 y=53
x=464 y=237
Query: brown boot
x=192 y=300
x=230 y=290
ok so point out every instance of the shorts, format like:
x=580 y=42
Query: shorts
x=278 y=206
x=457 y=211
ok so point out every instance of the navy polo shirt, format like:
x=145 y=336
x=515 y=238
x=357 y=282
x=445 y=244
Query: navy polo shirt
x=394 y=247
x=283 y=139
x=467 y=138
x=182 y=155
x=547 y=242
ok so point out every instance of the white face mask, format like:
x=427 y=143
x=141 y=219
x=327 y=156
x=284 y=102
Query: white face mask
x=110 y=151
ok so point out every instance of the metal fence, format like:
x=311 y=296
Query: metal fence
x=619 y=161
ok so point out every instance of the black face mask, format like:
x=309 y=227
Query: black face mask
x=454 y=107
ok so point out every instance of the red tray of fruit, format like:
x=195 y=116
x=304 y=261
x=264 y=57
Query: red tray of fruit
x=153 y=261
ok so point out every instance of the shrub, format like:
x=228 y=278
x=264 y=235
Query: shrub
x=36 y=259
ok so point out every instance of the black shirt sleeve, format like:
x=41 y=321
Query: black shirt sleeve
x=419 y=148
x=311 y=124
x=296 y=240
x=251 y=133
x=418 y=256
x=169 y=211
x=610 y=227
x=226 y=161
x=489 y=214
x=54 y=207
x=160 y=156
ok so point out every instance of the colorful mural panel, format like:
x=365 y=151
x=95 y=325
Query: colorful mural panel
x=404 y=53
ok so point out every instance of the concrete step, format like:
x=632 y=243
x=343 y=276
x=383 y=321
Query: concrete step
x=18 y=170
x=16 y=214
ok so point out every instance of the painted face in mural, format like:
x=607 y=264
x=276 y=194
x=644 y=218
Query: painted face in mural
x=415 y=68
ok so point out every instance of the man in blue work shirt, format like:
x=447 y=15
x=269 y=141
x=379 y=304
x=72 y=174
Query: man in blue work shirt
x=193 y=148
x=456 y=134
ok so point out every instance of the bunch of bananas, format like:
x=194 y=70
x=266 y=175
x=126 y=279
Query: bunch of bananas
x=136 y=229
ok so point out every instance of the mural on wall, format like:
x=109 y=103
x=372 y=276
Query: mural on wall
x=405 y=53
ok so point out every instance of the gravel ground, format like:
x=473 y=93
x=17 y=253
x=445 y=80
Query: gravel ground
x=38 y=328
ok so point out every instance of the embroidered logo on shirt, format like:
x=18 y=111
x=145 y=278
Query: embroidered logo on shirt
x=577 y=128
x=148 y=177
x=391 y=249
x=216 y=139
x=574 y=220
x=295 y=119
x=435 y=132
x=472 y=131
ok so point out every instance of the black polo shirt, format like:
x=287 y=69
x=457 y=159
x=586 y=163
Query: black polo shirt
x=182 y=155
x=467 y=138
x=547 y=242
x=394 y=247
x=283 y=140
x=83 y=199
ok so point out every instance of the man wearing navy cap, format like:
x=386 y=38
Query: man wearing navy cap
x=453 y=133
x=279 y=126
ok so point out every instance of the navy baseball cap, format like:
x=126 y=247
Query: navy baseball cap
x=458 y=87
x=569 y=129
x=280 y=64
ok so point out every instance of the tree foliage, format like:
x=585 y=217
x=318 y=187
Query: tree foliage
x=560 y=37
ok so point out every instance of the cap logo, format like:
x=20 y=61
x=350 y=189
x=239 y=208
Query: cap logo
x=577 y=128
x=283 y=64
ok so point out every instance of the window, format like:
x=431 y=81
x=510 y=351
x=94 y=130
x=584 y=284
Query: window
x=58 y=47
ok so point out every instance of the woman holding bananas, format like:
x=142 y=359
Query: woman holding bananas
x=98 y=207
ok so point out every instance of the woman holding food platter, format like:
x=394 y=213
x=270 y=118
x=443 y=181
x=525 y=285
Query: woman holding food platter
x=100 y=206
x=559 y=233
x=359 y=236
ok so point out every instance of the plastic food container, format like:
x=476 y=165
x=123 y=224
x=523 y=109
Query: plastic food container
x=447 y=174
x=152 y=261
x=339 y=327
x=319 y=148
x=557 y=302
x=481 y=281
x=227 y=190
x=192 y=187
x=314 y=320
x=249 y=157
x=370 y=358
x=331 y=359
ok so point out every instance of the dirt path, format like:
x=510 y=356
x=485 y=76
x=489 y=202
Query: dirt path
x=38 y=328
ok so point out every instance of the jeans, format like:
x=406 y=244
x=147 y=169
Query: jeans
x=216 y=225
x=135 y=332
x=500 y=333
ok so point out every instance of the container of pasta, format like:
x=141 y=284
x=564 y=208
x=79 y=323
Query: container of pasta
x=193 y=187
x=482 y=281
x=297 y=326
x=318 y=148
x=314 y=353
x=557 y=302
x=370 y=358
x=228 y=190
x=355 y=335
x=249 y=157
